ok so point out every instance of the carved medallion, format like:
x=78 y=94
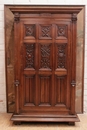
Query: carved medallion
x=45 y=56
x=61 y=56
x=62 y=31
x=30 y=30
x=29 y=62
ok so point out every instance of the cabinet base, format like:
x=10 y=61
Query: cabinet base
x=29 y=118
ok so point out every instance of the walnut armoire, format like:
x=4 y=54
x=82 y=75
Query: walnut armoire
x=45 y=63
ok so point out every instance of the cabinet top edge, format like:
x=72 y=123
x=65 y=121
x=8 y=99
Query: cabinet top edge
x=45 y=9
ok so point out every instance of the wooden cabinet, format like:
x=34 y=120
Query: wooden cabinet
x=45 y=64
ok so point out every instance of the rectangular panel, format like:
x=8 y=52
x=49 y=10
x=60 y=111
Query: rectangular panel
x=60 y=90
x=61 y=31
x=45 y=56
x=61 y=55
x=45 y=31
x=29 y=92
x=29 y=31
x=45 y=90
x=29 y=55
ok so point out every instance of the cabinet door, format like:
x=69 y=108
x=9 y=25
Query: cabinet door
x=44 y=68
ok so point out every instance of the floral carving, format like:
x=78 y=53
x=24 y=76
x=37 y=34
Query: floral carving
x=62 y=30
x=16 y=17
x=29 y=56
x=61 y=55
x=74 y=17
x=29 y=30
x=45 y=56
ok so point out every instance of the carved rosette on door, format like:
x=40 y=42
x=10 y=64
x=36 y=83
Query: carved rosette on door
x=61 y=31
x=46 y=80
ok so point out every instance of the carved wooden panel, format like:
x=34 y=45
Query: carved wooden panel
x=29 y=31
x=29 y=55
x=45 y=56
x=45 y=90
x=60 y=90
x=45 y=31
x=61 y=31
x=29 y=92
x=61 y=55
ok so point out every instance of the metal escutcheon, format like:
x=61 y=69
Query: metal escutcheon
x=73 y=83
x=16 y=83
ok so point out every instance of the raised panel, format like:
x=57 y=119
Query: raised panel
x=61 y=31
x=29 y=56
x=29 y=91
x=45 y=31
x=60 y=90
x=29 y=31
x=45 y=90
x=61 y=72
x=45 y=56
x=61 y=55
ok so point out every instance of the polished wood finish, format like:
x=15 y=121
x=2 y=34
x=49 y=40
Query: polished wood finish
x=38 y=9
x=45 y=64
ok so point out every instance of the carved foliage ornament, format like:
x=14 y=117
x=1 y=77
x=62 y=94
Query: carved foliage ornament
x=62 y=30
x=61 y=55
x=30 y=30
x=16 y=17
x=29 y=63
x=45 y=56
x=74 y=17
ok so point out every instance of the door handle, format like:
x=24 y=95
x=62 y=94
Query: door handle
x=73 y=83
x=16 y=83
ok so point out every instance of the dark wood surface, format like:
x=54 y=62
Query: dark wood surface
x=45 y=66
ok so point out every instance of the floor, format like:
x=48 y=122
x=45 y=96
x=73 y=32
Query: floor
x=6 y=124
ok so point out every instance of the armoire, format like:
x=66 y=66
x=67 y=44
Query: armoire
x=45 y=63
